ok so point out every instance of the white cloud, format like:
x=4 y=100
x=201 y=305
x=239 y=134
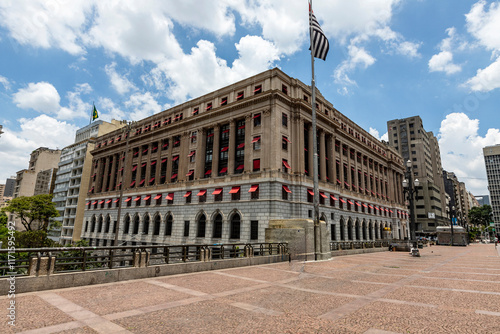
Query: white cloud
x=41 y=97
x=484 y=24
x=120 y=83
x=486 y=79
x=5 y=82
x=108 y=110
x=461 y=149
x=358 y=58
x=376 y=134
x=42 y=131
x=143 y=105
x=443 y=61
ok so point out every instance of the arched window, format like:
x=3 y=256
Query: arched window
x=358 y=230
x=136 y=225
x=108 y=223
x=364 y=230
x=168 y=228
x=202 y=224
x=349 y=230
x=157 y=225
x=370 y=231
x=126 y=227
x=92 y=229
x=217 y=232
x=342 y=229
x=381 y=231
x=235 y=226
x=145 y=227
x=99 y=229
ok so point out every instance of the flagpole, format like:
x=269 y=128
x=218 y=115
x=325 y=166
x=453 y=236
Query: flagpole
x=92 y=113
x=315 y=142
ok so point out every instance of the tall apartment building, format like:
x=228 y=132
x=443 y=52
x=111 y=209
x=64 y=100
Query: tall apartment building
x=10 y=184
x=219 y=167
x=38 y=178
x=73 y=178
x=410 y=139
x=482 y=200
x=459 y=197
x=492 y=162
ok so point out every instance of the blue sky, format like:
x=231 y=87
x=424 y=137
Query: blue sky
x=388 y=59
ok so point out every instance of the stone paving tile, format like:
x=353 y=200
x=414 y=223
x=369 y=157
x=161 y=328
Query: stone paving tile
x=332 y=285
x=117 y=297
x=458 y=284
x=362 y=276
x=31 y=312
x=413 y=319
x=218 y=317
x=465 y=276
x=208 y=282
x=80 y=330
x=291 y=301
x=268 y=274
x=448 y=299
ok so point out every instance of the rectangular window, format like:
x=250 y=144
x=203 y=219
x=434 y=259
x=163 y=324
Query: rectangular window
x=284 y=120
x=196 y=111
x=202 y=196
x=254 y=191
x=223 y=101
x=256 y=120
x=284 y=89
x=254 y=230
x=256 y=165
x=186 y=228
x=194 y=136
x=240 y=96
x=235 y=193
x=306 y=98
x=256 y=143
x=188 y=196
x=284 y=143
x=177 y=141
x=218 y=195
x=258 y=89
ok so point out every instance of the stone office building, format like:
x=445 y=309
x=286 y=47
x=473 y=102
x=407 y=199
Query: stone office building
x=216 y=169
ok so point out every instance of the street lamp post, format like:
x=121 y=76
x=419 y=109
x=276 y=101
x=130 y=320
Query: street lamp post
x=410 y=189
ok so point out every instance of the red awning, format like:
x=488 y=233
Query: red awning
x=371 y=207
x=187 y=194
x=363 y=204
x=286 y=189
x=163 y=161
x=256 y=139
x=390 y=211
x=240 y=167
x=190 y=173
x=94 y=203
x=310 y=192
x=234 y=190
x=132 y=184
x=137 y=198
x=223 y=170
x=253 y=188
x=255 y=116
x=208 y=172
x=201 y=193
x=224 y=149
x=153 y=163
x=349 y=201
x=376 y=208
x=152 y=179
x=225 y=131
x=158 y=196
x=333 y=197
x=342 y=200
x=191 y=154
x=286 y=164
x=120 y=169
x=116 y=200
x=170 y=197
x=128 y=199
x=87 y=203
x=241 y=145
x=323 y=195
x=357 y=203
x=210 y=135
x=217 y=191
x=142 y=181
x=173 y=176
x=147 y=197
x=133 y=169
x=119 y=184
x=108 y=201
x=286 y=139
x=91 y=189
x=175 y=158
x=241 y=127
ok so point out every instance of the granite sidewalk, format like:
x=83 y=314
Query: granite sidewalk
x=446 y=290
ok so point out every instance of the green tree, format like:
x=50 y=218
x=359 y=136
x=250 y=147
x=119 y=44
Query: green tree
x=36 y=212
x=3 y=218
x=481 y=215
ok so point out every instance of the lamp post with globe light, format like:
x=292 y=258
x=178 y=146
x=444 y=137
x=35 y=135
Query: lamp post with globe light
x=411 y=191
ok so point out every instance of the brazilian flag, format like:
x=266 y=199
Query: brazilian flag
x=94 y=114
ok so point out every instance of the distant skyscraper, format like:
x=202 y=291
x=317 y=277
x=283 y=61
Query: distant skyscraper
x=409 y=137
x=483 y=199
x=492 y=162
x=10 y=184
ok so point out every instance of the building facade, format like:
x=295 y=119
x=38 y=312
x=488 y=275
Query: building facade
x=492 y=162
x=10 y=184
x=216 y=169
x=73 y=178
x=410 y=139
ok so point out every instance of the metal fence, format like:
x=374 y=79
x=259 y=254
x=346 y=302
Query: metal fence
x=77 y=259
x=343 y=245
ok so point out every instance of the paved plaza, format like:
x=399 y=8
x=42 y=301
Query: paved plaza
x=446 y=290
